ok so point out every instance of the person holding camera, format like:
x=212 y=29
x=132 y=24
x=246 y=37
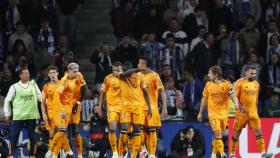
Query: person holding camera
x=188 y=143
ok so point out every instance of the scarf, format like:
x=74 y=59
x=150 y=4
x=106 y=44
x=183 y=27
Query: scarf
x=47 y=37
x=171 y=56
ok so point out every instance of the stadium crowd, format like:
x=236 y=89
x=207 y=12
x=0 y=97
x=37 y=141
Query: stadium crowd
x=181 y=38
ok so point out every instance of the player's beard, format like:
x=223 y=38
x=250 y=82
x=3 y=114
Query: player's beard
x=251 y=79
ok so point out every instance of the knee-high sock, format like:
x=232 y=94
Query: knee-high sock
x=58 y=144
x=122 y=147
x=152 y=141
x=79 y=144
x=136 y=141
x=56 y=139
x=113 y=141
x=232 y=146
x=219 y=145
x=66 y=145
x=260 y=142
x=214 y=147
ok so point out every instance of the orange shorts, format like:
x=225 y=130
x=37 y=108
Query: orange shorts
x=75 y=118
x=241 y=120
x=218 y=124
x=154 y=121
x=59 y=122
x=113 y=116
x=133 y=118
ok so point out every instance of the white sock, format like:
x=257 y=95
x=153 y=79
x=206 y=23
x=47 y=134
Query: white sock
x=213 y=156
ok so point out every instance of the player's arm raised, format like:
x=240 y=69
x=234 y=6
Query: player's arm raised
x=131 y=71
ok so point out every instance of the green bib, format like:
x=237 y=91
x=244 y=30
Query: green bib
x=25 y=102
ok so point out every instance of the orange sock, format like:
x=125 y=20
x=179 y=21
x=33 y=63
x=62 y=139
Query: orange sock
x=142 y=135
x=113 y=141
x=58 y=145
x=232 y=146
x=260 y=142
x=220 y=145
x=136 y=141
x=79 y=145
x=57 y=137
x=122 y=147
x=214 y=147
x=65 y=144
x=152 y=141
x=50 y=141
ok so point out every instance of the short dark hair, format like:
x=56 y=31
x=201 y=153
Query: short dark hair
x=250 y=67
x=198 y=8
x=117 y=64
x=147 y=60
x=270 y=39
x=52 y=68
x=127 y=65
x=169 y=35
x=22 y=69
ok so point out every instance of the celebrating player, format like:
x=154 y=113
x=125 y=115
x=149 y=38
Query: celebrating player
x=247 y=90
x=216 y=95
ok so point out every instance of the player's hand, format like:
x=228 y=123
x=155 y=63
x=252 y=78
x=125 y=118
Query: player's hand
x=150 y=114
x=100 y=112
x=164 y=112
x=242 y=109
x=7 y=119
x=45 y=118
x=75 y=107
x=199 y=117
x=63 y=115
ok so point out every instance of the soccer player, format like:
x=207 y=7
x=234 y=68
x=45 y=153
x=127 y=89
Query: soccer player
x=134 y=96
x=49 y=108
x=247 y=89
x=154 y=87
x=67 y=103
x=111 y=89
x=216 y=95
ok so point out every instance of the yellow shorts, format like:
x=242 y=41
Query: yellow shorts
x=218 y=124
x=241 y=120
x=154 y=121
x=113 y=116
x=50 y=122
x=75 y=118
x=60 y=123
x=133 y=118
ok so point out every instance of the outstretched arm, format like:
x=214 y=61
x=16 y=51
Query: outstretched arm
x=131 y=71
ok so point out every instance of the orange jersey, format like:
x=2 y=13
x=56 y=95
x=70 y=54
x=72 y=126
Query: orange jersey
x=154 y=84
x=111 y=86
x=80 y=82
x=47 y=94
x=247 y=94
x=217 y=95
x=131 y=91
x=67 y=92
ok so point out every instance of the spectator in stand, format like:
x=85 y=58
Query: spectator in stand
x=165 y=73
x=13 y=14
x=67 y=18
x=249 y=35
x=42 y=77
x=102 y=59
x=122 y=19
x=10 y=64
x=272 y=9
x=23 y=35
x=46 y=10
x=202 y=57
x=174 y=98
x=273 y=47
x=171 y=12
x=45 y=36
x=126 y=52
x=271 y=76
x=151 y=49
x=41 y=54
x=180 y=36
x=193 y=20
x=201 y=30
x=19 y=49
x=253 y=62
x=231 y=53
x=151 y=23
x=188 y=8
x=220 y=15
x=272 y=29
x=192 y=91
x=188 y=143
x=6 y=81
x=88 y=103
x=273 y=109
x=61 y=50
x=244 y=8
x=172 y=55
